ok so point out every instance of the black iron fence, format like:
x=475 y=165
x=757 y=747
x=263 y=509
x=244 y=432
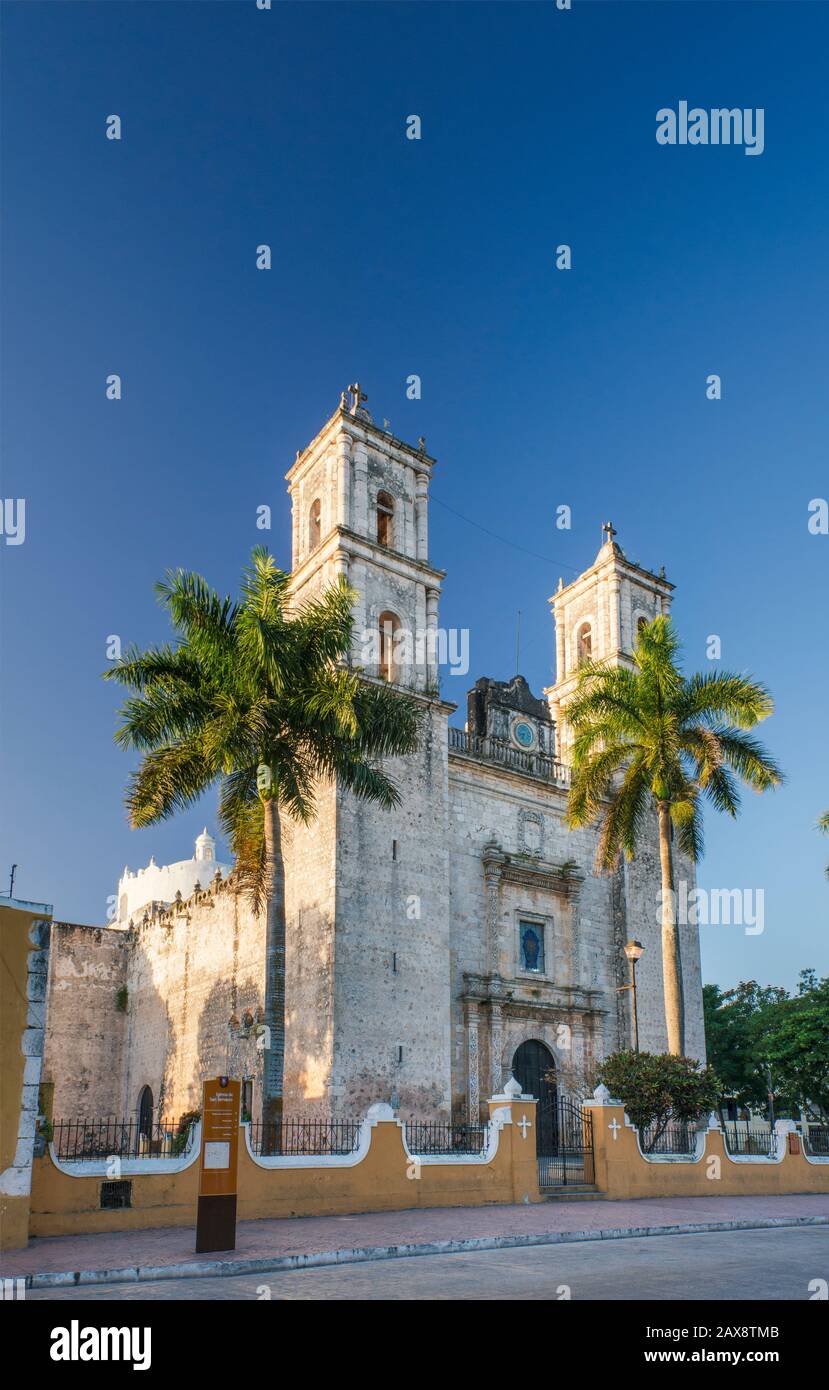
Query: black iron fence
x=675 y=1137
x=299 y=1136
x=425 y=1137
x=817 y=1140
x=75 y=1140
x=756 y=1140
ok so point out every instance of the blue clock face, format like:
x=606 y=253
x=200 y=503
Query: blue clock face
x=523 y=734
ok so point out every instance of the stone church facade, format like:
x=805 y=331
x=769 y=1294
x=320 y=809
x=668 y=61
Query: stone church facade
x=427 y=944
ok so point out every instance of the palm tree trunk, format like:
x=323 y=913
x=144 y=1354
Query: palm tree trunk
x=274 y=1054
x=671 y=973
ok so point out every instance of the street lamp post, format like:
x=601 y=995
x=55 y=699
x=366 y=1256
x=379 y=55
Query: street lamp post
x=633 y=950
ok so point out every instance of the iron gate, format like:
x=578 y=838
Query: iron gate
x=564 y=1143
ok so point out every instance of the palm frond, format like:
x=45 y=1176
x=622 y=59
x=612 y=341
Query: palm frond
x=369 y=782
x=687 y=822
x=624 y=816
x=592 y=781
x=668 y=731
x=162 y=665
x=196 y=611
x=242 y=822
x=170 y=778
x=609 y=695
x=749 y=759
x=716 y=695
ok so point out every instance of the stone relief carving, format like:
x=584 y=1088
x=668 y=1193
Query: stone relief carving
x=530 y=833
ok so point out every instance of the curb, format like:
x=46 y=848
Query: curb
x=203 y=1269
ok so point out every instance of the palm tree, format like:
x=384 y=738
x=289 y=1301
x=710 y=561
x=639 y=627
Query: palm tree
x=823 y=826
x=652 y=736
x=255 y=695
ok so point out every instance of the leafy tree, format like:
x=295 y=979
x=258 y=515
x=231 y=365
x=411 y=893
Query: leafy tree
x=793 y=1036
x=652 y=737
x=254 y=694
x=753 y=1030
x=731 y=1038
x=656 y=1087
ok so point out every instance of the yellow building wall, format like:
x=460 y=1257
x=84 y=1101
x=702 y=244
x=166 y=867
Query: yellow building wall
x=21 y=1040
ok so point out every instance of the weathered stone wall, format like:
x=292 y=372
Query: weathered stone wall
x=86 y=1026
x=190 y=971
x=392 y=976
x=583 y=941
x=310 y=956
x=490 y=804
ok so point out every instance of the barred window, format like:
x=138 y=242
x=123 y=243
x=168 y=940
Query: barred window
x=116 y=1195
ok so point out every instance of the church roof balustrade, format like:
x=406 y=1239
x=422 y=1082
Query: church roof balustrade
x=500 y=753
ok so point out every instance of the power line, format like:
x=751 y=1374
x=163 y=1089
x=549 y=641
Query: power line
x=503 y=539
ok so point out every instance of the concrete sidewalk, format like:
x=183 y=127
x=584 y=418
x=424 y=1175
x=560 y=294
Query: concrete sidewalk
x=299 y=1242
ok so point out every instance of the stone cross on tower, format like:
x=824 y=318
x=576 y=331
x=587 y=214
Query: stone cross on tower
x=358 y=396
x=609 y=531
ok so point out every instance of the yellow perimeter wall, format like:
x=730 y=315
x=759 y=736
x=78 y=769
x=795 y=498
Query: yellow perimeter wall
x=388 y=1179
x=622 y=1172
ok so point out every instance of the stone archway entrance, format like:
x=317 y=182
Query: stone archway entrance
x=563 y=1131
x=531 y=1064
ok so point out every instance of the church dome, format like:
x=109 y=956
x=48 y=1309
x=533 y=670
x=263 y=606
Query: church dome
x=161 y=882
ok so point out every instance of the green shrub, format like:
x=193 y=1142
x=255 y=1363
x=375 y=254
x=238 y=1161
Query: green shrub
x=182 y=1134
x=656 y=1087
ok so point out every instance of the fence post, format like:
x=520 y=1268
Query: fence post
x=518 y=1113
x=611 y=1139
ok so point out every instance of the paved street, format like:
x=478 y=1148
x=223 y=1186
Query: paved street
x=763 y=1264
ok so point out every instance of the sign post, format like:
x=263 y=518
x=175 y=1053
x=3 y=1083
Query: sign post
x=216 y=1220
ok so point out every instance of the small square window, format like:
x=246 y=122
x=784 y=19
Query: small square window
x=115 y=1195
x=532 y=947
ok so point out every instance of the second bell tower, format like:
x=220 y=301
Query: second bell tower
x=597 y=618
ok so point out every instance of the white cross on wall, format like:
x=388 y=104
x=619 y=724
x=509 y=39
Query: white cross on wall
x=615 y=1126
x=524 y=1124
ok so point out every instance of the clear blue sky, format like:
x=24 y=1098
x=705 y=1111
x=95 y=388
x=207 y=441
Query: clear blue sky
x=391 y=256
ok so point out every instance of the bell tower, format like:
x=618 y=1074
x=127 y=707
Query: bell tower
x=367 y=960
x=360 y=508
x=597 y=617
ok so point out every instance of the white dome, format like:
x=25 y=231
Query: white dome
x=159 y=883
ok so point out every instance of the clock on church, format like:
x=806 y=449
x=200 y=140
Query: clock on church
x=523 y=733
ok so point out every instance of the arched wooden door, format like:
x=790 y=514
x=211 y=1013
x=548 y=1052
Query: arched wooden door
x=145 y=1113
x=532 y=1067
